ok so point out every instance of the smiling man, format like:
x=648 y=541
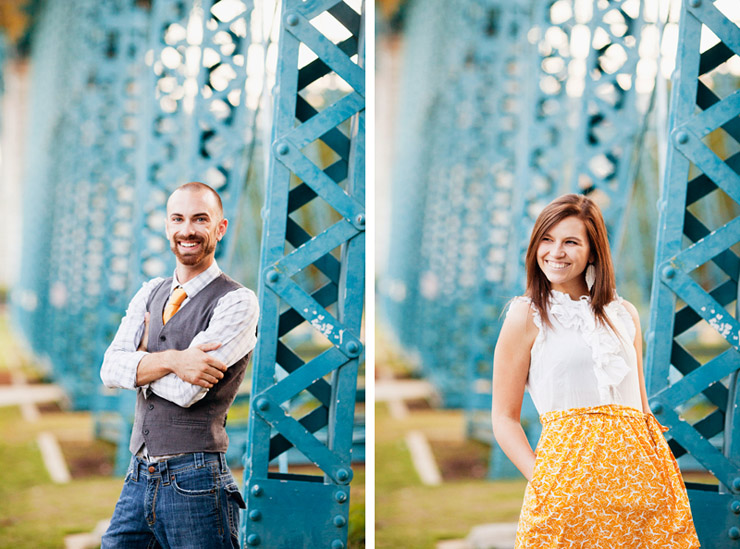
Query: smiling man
x=183 y=345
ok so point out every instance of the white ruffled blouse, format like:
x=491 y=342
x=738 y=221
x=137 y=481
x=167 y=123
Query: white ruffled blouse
x=580 y=363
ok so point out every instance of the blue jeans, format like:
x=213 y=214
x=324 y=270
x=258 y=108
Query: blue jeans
x=190 y=501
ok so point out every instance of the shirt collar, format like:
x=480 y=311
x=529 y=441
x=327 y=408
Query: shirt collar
x=195 y=285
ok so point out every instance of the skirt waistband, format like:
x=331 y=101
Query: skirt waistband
x=607 y=409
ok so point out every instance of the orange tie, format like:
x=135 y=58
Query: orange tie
x=173 y=305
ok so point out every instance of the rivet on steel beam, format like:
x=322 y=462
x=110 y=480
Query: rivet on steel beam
x=256 y=490
x=682 y=137
x=263 y=404
x=253 y=540
x=669 y=272
x=340 y=496
x=656 y=407
x=339 y=521
x=736 y=484
x=291 y=19
x=360 y=220
x=343 y=475
x=735 y=507
x=337 y=544
x=282 y=148
x=734 y=532
x=255 y=515
x=272 y=276
x=353 y=348
x=694 y=3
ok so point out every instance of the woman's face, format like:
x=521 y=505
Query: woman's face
x=563 y=254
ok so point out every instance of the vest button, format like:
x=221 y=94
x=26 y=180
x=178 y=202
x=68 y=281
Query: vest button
x=162 y=338
x=151 y=406
x=146 y=431
x=152 y=468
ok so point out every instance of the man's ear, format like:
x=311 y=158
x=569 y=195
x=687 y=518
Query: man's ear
x=222 y=226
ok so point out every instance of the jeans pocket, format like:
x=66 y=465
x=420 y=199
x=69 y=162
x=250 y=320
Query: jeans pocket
x=234 y=502
x=232 y=490
x=195 y=482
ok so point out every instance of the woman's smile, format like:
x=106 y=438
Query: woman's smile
x=563 y=255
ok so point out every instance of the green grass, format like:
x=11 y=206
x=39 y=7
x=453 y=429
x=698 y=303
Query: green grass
x=411 y=515
x=37 y=513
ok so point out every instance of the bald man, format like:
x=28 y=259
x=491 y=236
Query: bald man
x=183 y=346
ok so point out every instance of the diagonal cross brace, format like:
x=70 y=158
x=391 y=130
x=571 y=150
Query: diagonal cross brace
x=318 y=317
x=705 y=305
x=271 y=412
x=329 y=53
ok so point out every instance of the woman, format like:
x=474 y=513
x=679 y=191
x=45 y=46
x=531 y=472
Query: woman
x=603 y=475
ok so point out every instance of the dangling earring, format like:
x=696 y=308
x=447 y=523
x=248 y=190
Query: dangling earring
x=590 y=276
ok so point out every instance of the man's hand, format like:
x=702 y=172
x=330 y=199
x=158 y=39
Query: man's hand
x=196 y=366
x=145 y=337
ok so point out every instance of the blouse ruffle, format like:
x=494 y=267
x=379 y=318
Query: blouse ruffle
x=610 y=365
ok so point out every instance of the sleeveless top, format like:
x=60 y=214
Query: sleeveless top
x=578 y=362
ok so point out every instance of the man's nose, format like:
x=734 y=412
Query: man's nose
x=187 y=228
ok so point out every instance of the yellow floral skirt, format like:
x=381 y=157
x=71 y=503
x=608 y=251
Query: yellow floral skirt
x=605 y=478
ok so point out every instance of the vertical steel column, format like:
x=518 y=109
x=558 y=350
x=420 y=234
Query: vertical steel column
x=69 y=265
x=195 y=125
x=80 y=236
x=684 y=301
x=463 y=187
x=50 y=77
x=311 y=104
x=546 y=139
x=455 y=213
x=424 y=60
x=609 y=125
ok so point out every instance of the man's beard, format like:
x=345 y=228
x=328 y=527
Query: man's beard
x=206 y=248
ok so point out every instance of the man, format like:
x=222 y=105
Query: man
x=183 y=346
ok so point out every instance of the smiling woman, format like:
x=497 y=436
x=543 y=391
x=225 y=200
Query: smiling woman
x=603 y=475
x=562 y=255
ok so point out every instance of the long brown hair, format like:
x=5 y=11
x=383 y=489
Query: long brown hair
x=538 y=286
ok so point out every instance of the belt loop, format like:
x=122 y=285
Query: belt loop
x=135 y=462
x=222 y=462
x=164 y=471
x=199 y=460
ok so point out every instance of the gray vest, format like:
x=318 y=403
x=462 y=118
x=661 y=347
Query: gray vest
x=165 y=427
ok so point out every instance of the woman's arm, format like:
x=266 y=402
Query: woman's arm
x=510 y=370
x=638 y=351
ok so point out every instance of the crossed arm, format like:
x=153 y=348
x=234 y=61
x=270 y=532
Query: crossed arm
x=182 y=377
x=193 y=365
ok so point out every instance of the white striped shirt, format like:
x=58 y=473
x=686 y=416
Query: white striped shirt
x=233 y=325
